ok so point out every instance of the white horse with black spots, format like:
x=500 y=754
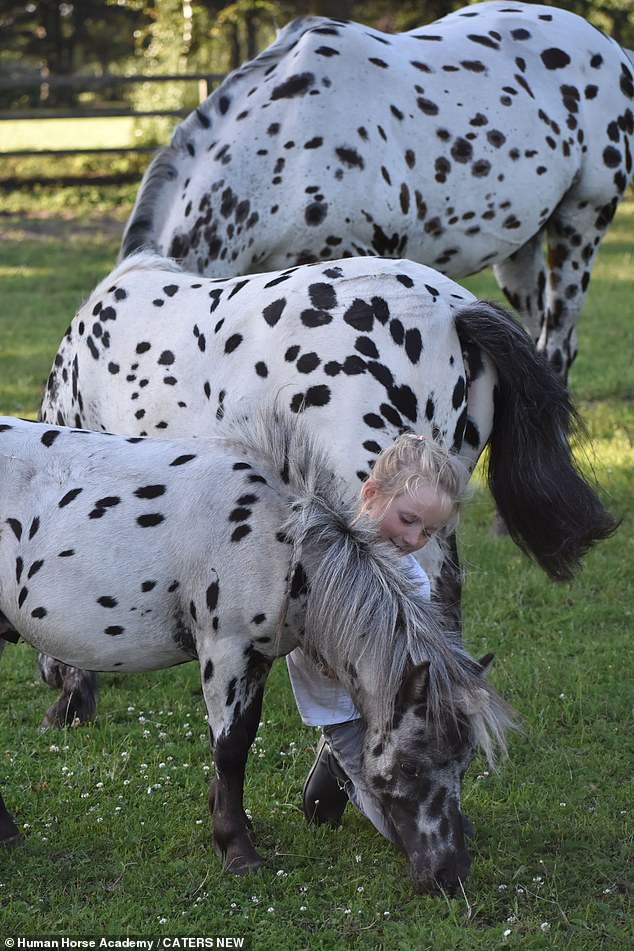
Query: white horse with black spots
x=465 y=143
x=130 y=554
x=364 y=349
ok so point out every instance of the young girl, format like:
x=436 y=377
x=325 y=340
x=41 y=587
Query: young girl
x=415 y=489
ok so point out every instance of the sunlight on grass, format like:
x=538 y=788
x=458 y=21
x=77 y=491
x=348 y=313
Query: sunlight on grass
x=23 y=270
x=85 y=133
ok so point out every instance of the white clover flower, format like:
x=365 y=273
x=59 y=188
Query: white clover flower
x=270 y=909
x=506 y=933
x=53 y=749
x=360 y=888
x=545 y=926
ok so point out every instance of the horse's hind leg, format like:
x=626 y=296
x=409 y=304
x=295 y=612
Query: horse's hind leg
x=9 y=834
x=574 y=234
x=522 y=278
x=231 y=827
x=77 y=702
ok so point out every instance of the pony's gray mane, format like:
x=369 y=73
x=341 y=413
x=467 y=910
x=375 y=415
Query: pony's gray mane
x=361 y=605
x=162 y=173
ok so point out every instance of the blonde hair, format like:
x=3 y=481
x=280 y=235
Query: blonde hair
x=412 y=461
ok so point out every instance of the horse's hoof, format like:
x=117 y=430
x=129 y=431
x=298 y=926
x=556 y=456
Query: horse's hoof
x=68 y=711
x=244 y=865
x=498 y=528
x=12 y=841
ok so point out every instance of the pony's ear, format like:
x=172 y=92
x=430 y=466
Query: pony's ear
x=485 y=662
x=414 y=687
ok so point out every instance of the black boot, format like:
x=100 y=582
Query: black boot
x=324 y=795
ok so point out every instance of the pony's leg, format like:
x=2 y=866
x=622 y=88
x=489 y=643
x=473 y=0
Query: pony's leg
x=522 y=279
x=77 y=702
x=9 y=835
x=231 y=826
x=573 y=233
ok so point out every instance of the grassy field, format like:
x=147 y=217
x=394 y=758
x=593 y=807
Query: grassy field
x=86 y=133
x=115 y=815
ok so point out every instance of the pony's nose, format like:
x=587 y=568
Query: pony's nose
x=450 y=876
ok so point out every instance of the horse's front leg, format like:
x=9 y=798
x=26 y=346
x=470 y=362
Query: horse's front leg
x=230 y=747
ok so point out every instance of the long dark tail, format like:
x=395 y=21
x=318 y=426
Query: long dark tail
x=550 y=510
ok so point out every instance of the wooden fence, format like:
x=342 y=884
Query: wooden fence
x=205 y=83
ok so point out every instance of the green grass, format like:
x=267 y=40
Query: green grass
x=115 y=815
x=86 y=133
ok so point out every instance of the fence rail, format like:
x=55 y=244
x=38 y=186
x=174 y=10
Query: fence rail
x=206 y=81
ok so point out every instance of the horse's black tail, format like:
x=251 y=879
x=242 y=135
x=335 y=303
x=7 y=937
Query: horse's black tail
x=549 y=508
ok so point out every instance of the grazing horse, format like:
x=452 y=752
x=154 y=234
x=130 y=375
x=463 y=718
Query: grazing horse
x=365 y=349
x=465 y=143
x=131 y=554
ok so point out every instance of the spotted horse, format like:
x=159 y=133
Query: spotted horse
x=473 y=141
x=364 y=349
x=129 y=554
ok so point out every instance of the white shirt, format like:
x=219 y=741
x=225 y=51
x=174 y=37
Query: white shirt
x=322 y=701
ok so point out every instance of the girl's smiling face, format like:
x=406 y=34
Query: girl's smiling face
x=409 y=520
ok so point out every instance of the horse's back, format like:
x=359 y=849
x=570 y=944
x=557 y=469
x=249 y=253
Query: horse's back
x=470 y=130
x=363 y=347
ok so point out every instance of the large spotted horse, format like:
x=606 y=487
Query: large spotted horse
x=465 y=143
x=365 y=349
x=130 y=554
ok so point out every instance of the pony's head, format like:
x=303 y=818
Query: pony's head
x=415 y=763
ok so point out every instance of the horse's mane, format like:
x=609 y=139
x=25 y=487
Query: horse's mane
x=143 y=260
x=360 y=602
x=161 y=174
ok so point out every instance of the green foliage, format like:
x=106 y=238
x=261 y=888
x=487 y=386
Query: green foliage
x=115 y=817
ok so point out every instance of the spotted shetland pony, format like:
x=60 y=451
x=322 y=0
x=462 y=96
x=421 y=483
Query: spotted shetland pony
x=232 y=551
x=364 y=349
x=465 y=143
